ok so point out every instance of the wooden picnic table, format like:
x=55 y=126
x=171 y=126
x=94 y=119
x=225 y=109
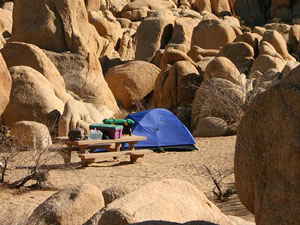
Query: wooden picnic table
x=111 y=145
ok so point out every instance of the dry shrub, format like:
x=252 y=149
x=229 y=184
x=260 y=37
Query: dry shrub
x=217 y=176
x=219 y=98
x=12 y=155
x=220 y=174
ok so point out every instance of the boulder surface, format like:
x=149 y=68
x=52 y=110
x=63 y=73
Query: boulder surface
x=70 y=206
x=266 y=164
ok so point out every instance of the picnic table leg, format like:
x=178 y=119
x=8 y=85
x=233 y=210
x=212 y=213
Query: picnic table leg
x=82 y=149
x=134 y=157
x=131 y=145
x=66 y=154
x=86 y=162
x=117 y=149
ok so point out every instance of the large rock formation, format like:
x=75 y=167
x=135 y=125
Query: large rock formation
x=132 y=81
x=267 y=154
x=176 y=87
x=278 y=42
x=252 y=39
x=60 y=26
x=171 y=56
x=137 y=9
x=153 y=34
x=240 y=53
x=5 y=85
x=106 y=25
x=32 y=56
x=33 y=98
x=83 y=76
x=5 y=25
x=265 y=62
x=212 y=34
x=182 y=34
x=222 y=67
x=55 y=26
x=92 y=5
x=201 y=5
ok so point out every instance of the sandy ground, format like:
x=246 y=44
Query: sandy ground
x=216 y=153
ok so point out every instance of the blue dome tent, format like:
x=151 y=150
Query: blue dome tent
x=162 y=129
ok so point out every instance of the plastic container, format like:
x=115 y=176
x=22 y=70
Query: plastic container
x=113 y=131
x=95 y=134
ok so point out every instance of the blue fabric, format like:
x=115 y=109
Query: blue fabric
x=161 y=127
x=99 y=150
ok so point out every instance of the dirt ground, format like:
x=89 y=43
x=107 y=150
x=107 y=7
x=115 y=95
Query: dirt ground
x=216 y=153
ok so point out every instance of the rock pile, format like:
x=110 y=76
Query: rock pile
x=186 y=56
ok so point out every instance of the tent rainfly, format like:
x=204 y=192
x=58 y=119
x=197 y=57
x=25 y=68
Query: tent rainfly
x=164 y=131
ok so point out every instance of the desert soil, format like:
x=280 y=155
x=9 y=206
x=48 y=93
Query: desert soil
x=216 y=153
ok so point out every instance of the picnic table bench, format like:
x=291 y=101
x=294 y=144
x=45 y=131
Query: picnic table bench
x=112 y=147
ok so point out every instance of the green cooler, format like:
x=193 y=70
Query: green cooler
x=126 y=123
x=113 y=131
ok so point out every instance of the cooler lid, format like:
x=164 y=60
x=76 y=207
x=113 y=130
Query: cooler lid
x=105 y=126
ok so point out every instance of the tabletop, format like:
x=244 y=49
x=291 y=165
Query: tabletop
x=127 y=139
